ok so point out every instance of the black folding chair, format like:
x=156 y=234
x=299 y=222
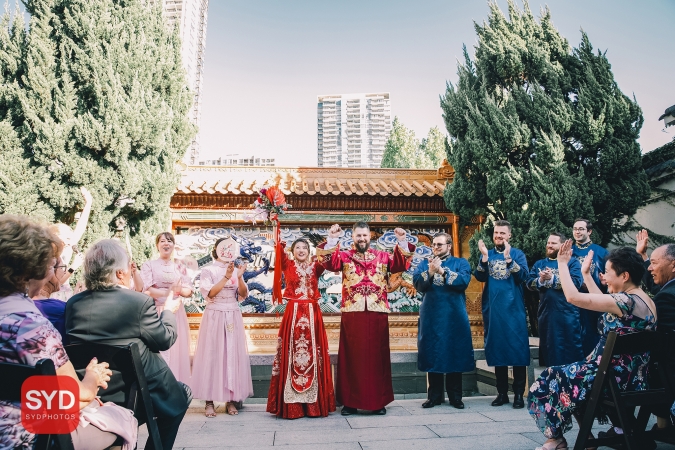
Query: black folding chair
x=624 y=403
x=13 y=376
x=127 y=387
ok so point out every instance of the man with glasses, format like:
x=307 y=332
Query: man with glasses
x=582 y=248
x=503 y=269
x=444 y=335
x=559 y=327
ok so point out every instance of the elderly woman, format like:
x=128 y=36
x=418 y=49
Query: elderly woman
x=107 y=313
x=561 y=391
x=29 y=252
x=43 y=296
x=161 y=277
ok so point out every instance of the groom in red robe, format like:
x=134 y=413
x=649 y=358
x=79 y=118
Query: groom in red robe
x=364 y=363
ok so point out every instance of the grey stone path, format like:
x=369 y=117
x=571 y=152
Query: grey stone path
x=406 y=425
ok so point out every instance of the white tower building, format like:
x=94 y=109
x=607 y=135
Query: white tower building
x=190 y=16
x=352 y=129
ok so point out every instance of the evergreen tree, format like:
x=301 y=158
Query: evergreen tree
x=103 y=103
x=404 y=151
x=402 y=147
x=540 y=133
x=434 y=147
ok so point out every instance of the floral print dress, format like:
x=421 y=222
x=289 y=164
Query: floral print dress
x=26 y=337
x=561 y=391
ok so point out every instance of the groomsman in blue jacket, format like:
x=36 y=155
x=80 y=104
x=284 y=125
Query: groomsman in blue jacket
x=444 y=335
x=559 y=326
x=582 y=229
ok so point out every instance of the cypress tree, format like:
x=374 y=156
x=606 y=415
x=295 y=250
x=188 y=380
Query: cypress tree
x=541 y=134
x=104 y=105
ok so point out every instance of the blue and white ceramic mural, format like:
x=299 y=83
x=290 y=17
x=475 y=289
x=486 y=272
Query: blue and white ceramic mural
x=257 y=246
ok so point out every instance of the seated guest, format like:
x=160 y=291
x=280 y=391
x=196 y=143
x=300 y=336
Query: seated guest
x=106 y=313
x=562 y=391
x=52 y=308
x=559 y=321
x=660 y=281
x=28 y=252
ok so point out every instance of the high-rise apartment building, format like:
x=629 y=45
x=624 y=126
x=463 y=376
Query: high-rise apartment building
x=190 y=16
x=352 y=129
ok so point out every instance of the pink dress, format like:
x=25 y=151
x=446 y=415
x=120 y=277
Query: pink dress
x=160 y=275
x=222 y=369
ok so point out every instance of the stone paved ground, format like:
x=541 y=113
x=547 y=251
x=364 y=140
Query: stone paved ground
x=406 y=425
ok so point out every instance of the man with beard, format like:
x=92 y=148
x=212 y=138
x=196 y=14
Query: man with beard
x=364 y=363
x=444 y=335
x=582 y=229
x=503 y=269
x=559 y=328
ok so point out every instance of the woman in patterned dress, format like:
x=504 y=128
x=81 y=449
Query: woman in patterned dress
x=28 y=254
x=561 y=392
x=302 y=384
x=161 y=276
x=222 y=369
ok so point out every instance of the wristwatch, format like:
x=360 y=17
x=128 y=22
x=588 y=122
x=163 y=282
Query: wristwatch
x=71 y=270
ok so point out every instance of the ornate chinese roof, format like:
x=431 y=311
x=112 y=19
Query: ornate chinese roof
x=314 y=180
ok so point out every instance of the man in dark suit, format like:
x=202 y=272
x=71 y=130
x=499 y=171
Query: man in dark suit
x=661 y=281
x=109 y=313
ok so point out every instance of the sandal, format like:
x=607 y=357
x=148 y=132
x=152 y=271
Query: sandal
x=561 y=444
x=231 y=409
x=210 y=410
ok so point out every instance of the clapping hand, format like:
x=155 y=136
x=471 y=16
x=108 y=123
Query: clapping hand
x=229 y=271
x=545 y=275
x=507 y=249
x=642 y=242
x=483 y=250
x=435 y=265
x=565 y=252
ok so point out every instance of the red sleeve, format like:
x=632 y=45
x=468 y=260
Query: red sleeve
x=400 y=260
x=284 y=256
x=329 y=259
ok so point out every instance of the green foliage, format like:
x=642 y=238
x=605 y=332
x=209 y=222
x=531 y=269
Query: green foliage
x=541 y=134
x=404 y=151
x=98 y=99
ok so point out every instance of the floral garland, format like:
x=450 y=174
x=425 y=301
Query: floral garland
x=266 y=208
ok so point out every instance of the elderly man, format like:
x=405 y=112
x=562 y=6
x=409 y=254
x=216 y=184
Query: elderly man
x=503 y=269
x=583 y=245
x=661 y=281
x=109 y=314
x=444 y=335
x=364 y=363
x=559 y=327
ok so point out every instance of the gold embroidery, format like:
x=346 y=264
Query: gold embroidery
x=451 y=276
x=303 y=358
x=438 y=279
x=350 y=277
x=497 y=269
x=229 y=327
x=425 y=276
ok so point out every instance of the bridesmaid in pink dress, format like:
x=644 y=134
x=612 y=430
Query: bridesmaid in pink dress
x=160 y=276
x=222 y=370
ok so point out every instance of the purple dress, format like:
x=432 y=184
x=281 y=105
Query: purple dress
x=160 y=275
x=222 y=369
x=26 y=337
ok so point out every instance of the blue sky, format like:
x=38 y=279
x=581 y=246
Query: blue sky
x=267 y=60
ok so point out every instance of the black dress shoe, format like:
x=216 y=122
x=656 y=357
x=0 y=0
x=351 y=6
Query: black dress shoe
x=347 y=411
x=518 y=401
x=459 y=404
x=430 y=404
x=502 y=399
x=380 y=412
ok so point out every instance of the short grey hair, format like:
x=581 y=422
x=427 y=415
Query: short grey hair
x=102 y=261
x=669 y=251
